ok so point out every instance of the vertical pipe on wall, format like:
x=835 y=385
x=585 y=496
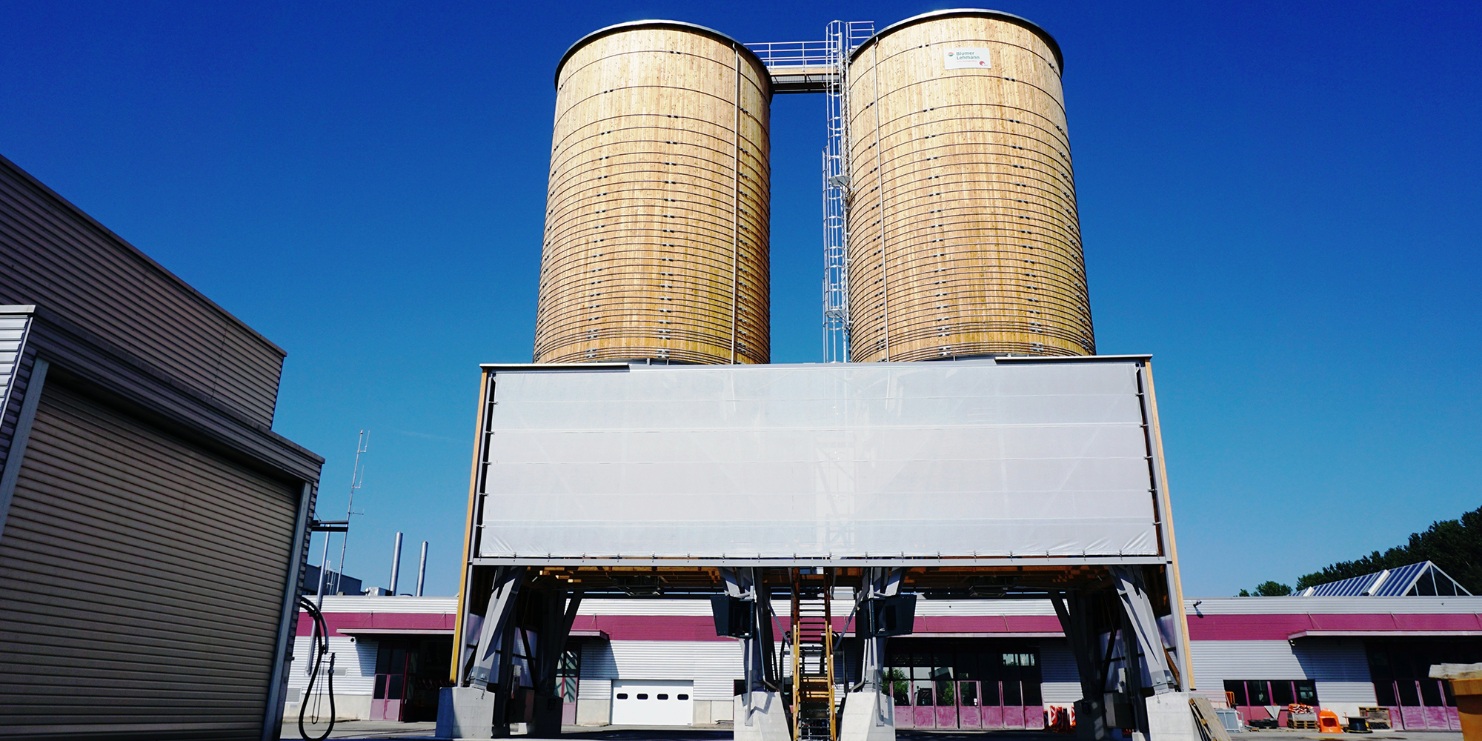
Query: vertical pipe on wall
x=736 y=207
x=395 y=563
x=422 y=569
x=880 y=178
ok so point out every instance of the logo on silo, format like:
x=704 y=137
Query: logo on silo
x=967 y=58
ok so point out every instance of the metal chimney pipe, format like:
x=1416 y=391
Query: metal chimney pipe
x=422 y=569
x=395 y=562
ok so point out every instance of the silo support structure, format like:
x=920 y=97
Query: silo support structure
x=869 y=711
x=1128 y=672
x=496 y=695
x=759 y=711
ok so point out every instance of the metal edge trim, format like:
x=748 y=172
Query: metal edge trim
x=272 y=722
x=976 y=360
x=470 y=528
x=961 y=12
x=17 y=452
x=663 y=23
x=164 y=402
x=1164 y=503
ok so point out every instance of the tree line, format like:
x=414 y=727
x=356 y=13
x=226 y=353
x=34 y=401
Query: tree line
x=1454 y=545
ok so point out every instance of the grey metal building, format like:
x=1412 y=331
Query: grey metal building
x=138 y=474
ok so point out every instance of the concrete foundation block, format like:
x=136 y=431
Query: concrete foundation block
x=764 y=720
x=1170 y=718
x=593 y=712
x=867 y=716
x=465 y=713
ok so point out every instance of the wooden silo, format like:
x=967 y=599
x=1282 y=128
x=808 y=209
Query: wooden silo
x=963 y=233
x=656 y=232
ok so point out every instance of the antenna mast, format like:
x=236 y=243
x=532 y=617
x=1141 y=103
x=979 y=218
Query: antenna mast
x=357 y=479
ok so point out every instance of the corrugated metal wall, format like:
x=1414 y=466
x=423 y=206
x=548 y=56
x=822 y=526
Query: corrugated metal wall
x=1217 y=661
x=142 y=582
x=61 y=260
x=1060 y=683
x=713 y=665
x=1340 y=668
x=354 y=667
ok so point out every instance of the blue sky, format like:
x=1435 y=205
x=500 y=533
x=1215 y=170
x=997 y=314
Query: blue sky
x=1279 y=201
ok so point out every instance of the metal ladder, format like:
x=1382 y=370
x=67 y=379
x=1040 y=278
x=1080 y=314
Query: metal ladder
x=813 y=700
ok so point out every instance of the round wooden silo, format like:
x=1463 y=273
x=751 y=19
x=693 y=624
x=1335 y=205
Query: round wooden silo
x=963 y=233
x=657 y=209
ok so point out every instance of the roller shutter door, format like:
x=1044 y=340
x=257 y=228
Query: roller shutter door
x=141 y=580
x=652 y=702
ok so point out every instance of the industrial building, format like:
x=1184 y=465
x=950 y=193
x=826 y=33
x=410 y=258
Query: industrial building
x=969 y=664
x=651 y=449
x=152 y=525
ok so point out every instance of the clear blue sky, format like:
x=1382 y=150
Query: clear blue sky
x=1279 y=201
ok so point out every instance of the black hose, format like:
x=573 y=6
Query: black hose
x=319 y=647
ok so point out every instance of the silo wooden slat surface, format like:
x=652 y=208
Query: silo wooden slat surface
x=657 y=213
x=963 y=233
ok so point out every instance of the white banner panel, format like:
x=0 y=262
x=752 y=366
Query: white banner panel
x=967 y=458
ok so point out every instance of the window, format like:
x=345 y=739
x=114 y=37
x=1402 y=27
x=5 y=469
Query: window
x=1306 y=691
x=1012 y=694
x=1032 y=696
x=663 y=697
x=1018 y=659
x=967 y=694
x=1384 y=692
x=622 y=695
x=1282 y=694
x=1430 y=693
x=681 y=696
x=642 y=696
x=568 y=674
x=1257 y=692
x=1236 y=691
x=1409 y=695
x=923 y=694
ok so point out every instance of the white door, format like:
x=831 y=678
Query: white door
x=652 y=702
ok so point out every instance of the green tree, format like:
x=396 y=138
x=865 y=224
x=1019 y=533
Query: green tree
x=1454 y=545
x=1267 y=589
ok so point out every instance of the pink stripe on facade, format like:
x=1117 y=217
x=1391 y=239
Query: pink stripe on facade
x=1280 y=627
x=1246 y=627
x=701 y=628
x=387 y=621
x=651 y=627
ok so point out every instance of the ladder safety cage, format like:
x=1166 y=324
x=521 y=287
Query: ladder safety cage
x=823 y=66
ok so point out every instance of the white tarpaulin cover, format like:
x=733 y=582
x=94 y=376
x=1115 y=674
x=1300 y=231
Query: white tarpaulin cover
x=967 y=458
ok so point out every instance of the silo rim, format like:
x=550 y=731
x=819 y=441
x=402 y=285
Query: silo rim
x=955 y=12
x=662 y=23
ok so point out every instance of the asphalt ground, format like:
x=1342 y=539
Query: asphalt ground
x=365 y=730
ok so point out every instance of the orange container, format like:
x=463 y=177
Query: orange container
x=1327 y=722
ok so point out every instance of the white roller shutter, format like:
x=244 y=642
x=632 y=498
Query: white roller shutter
x=141 y=580
x=652 y=702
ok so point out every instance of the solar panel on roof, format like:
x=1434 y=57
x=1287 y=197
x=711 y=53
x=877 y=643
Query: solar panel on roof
x=1401 y=581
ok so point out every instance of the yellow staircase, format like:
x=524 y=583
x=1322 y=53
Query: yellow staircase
x=813 y=701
